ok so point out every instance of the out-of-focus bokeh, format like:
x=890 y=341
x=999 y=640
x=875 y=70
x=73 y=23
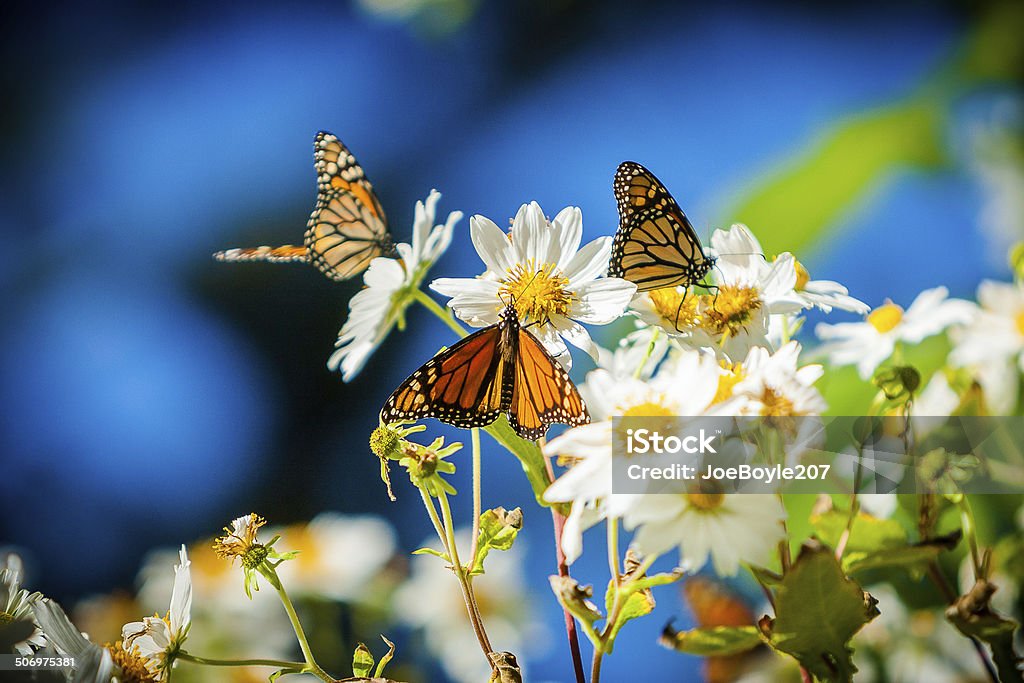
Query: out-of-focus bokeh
x=150 y=394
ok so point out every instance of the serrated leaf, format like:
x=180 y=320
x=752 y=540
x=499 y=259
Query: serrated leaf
x=712 y=641
x=362 y=661
x=498 y=531
x=817 y=611
x=386 y=658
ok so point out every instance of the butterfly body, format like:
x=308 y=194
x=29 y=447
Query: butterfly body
x=655 y=245
x=347 y=229
x=499 y=369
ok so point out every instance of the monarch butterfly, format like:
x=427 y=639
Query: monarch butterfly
x=346 y=230
x=655 y=245
x=501 y=368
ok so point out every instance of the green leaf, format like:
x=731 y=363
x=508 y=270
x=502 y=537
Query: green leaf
x=498 y=531
x=431 y=551
x=283 y=672
x=817 y=611
x=385 y=659
x=973 y=616
x=876 y=543
x=362 y=661
x=715 y=641
x=529 y=455
x=575 y=599
x=638 y=602
x=662 y=579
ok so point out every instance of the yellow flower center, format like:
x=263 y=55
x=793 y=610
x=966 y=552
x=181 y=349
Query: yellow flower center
x=731 y=309
x=675 y=307
x=647 y=409
x=133 y=667
x=802 y=276
x=885 y=317
x=537 y=293
x=706 y=501
x=776 y=404
x=1019 y=321
x=732 y=376
x=6 y=618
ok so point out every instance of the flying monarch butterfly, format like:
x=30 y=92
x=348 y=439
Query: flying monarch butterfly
x=346 y=230
x=501 y=368
x=655 y=245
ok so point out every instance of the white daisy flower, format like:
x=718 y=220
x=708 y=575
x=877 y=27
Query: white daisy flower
x=992 y=344
x=638 y=354
x=773 y=384
x=728 y=529
x=431 y=601
x=686 y=387
x=158 y=639
x=735 y=318
x=389 y=284
x=540 y=269
x=739 y=246
x=16 y=603
x=868 y=344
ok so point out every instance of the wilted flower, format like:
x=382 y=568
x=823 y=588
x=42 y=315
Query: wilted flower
x=157 y=640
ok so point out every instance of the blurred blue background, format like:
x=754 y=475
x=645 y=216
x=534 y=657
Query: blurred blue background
x=150 y=394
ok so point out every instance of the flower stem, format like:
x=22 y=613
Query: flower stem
x=477 y=511
x=465 y=581
x=311 y=666
x=613 y=549
x=206 y=661
x=438 y=310
x=595 y=665
x=558 y=520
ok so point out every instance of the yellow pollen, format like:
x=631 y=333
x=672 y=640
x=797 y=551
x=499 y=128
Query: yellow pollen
x=802 y=276
x=6 y=618
x=705 y=501
x=730 y=310
x=732 y=376
x=537 y=293
x=1019 y=321
x=648 y=409
x=133 y=668
x=776 y=404
x=885 y=317
x=675 y=307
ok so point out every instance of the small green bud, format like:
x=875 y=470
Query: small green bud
x=386 y=443
x=898 y=383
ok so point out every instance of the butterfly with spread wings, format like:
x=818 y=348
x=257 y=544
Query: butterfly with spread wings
x=655 y=245
x=499 y=369
x=346 y=230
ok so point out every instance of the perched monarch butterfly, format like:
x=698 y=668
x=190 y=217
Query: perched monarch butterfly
x=346 y=230
x=501 y=368
x=655 y=245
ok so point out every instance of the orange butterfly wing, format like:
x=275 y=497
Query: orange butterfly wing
x=346 y=230
x=461 y=385
x=542 y=393
x=655 y=245
x=501 y=368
